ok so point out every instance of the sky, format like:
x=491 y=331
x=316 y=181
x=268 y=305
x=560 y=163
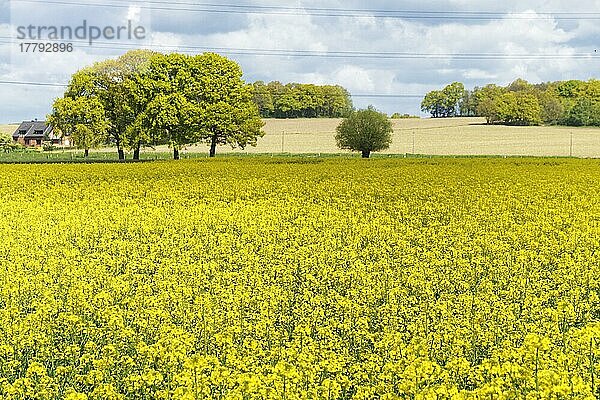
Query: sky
x=386 y=53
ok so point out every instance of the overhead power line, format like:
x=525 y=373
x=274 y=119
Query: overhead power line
x=321 y=54
x=327 y=12
x=64 y=85
x=358 y=10
x=20 y=83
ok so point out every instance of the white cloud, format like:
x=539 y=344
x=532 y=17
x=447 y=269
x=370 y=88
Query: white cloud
x=356 y=79
x=478 y=74
x=134 y=14
x=166 y=40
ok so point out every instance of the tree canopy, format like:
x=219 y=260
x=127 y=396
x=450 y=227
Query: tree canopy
x=446 y=102
x=196 y=99
x=295 y=100
x=108 y=82
x=365 y=131
x=81 y=118
x=147 y=98
x=574 y=103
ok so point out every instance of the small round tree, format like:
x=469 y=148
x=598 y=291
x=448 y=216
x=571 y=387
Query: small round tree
x=365 y=131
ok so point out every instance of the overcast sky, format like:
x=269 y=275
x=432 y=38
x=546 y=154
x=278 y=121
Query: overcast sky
x=556 y=28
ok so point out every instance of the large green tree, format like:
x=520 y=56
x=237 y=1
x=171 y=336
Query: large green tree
x=434 y=103
x=169 y=118
x=263 y=98
x=365 y=131
x=337 y=102
x=196 y=99
x=161 y=96
x=108 y=82
x=444 y=103
x=228 y=114
x=518 y=108
x=453 y=95
x=83 y=119
x=585 y=112
x=468 y=104
x=485 y=102
x=552 y=109
x=520 y=85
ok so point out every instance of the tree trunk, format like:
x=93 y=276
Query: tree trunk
x=86 y=153
x=213 y=146
x=366 y=154
x=136 y=152
x=176 y=154
x=120 y=149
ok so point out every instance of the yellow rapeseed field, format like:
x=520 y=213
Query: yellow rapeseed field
x=301 y=279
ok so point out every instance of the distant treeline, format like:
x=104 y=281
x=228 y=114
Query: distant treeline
x=572 y=103
x=296 y=100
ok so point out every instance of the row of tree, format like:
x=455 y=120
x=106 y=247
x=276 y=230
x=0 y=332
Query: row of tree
x=147 y=98
x=444 y=103
x=295 y=100
x=572 y=103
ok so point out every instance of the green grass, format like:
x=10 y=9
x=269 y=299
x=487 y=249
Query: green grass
x=76 y=156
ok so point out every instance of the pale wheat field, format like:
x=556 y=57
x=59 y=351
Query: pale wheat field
x=456 y=136
x=7 y=129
